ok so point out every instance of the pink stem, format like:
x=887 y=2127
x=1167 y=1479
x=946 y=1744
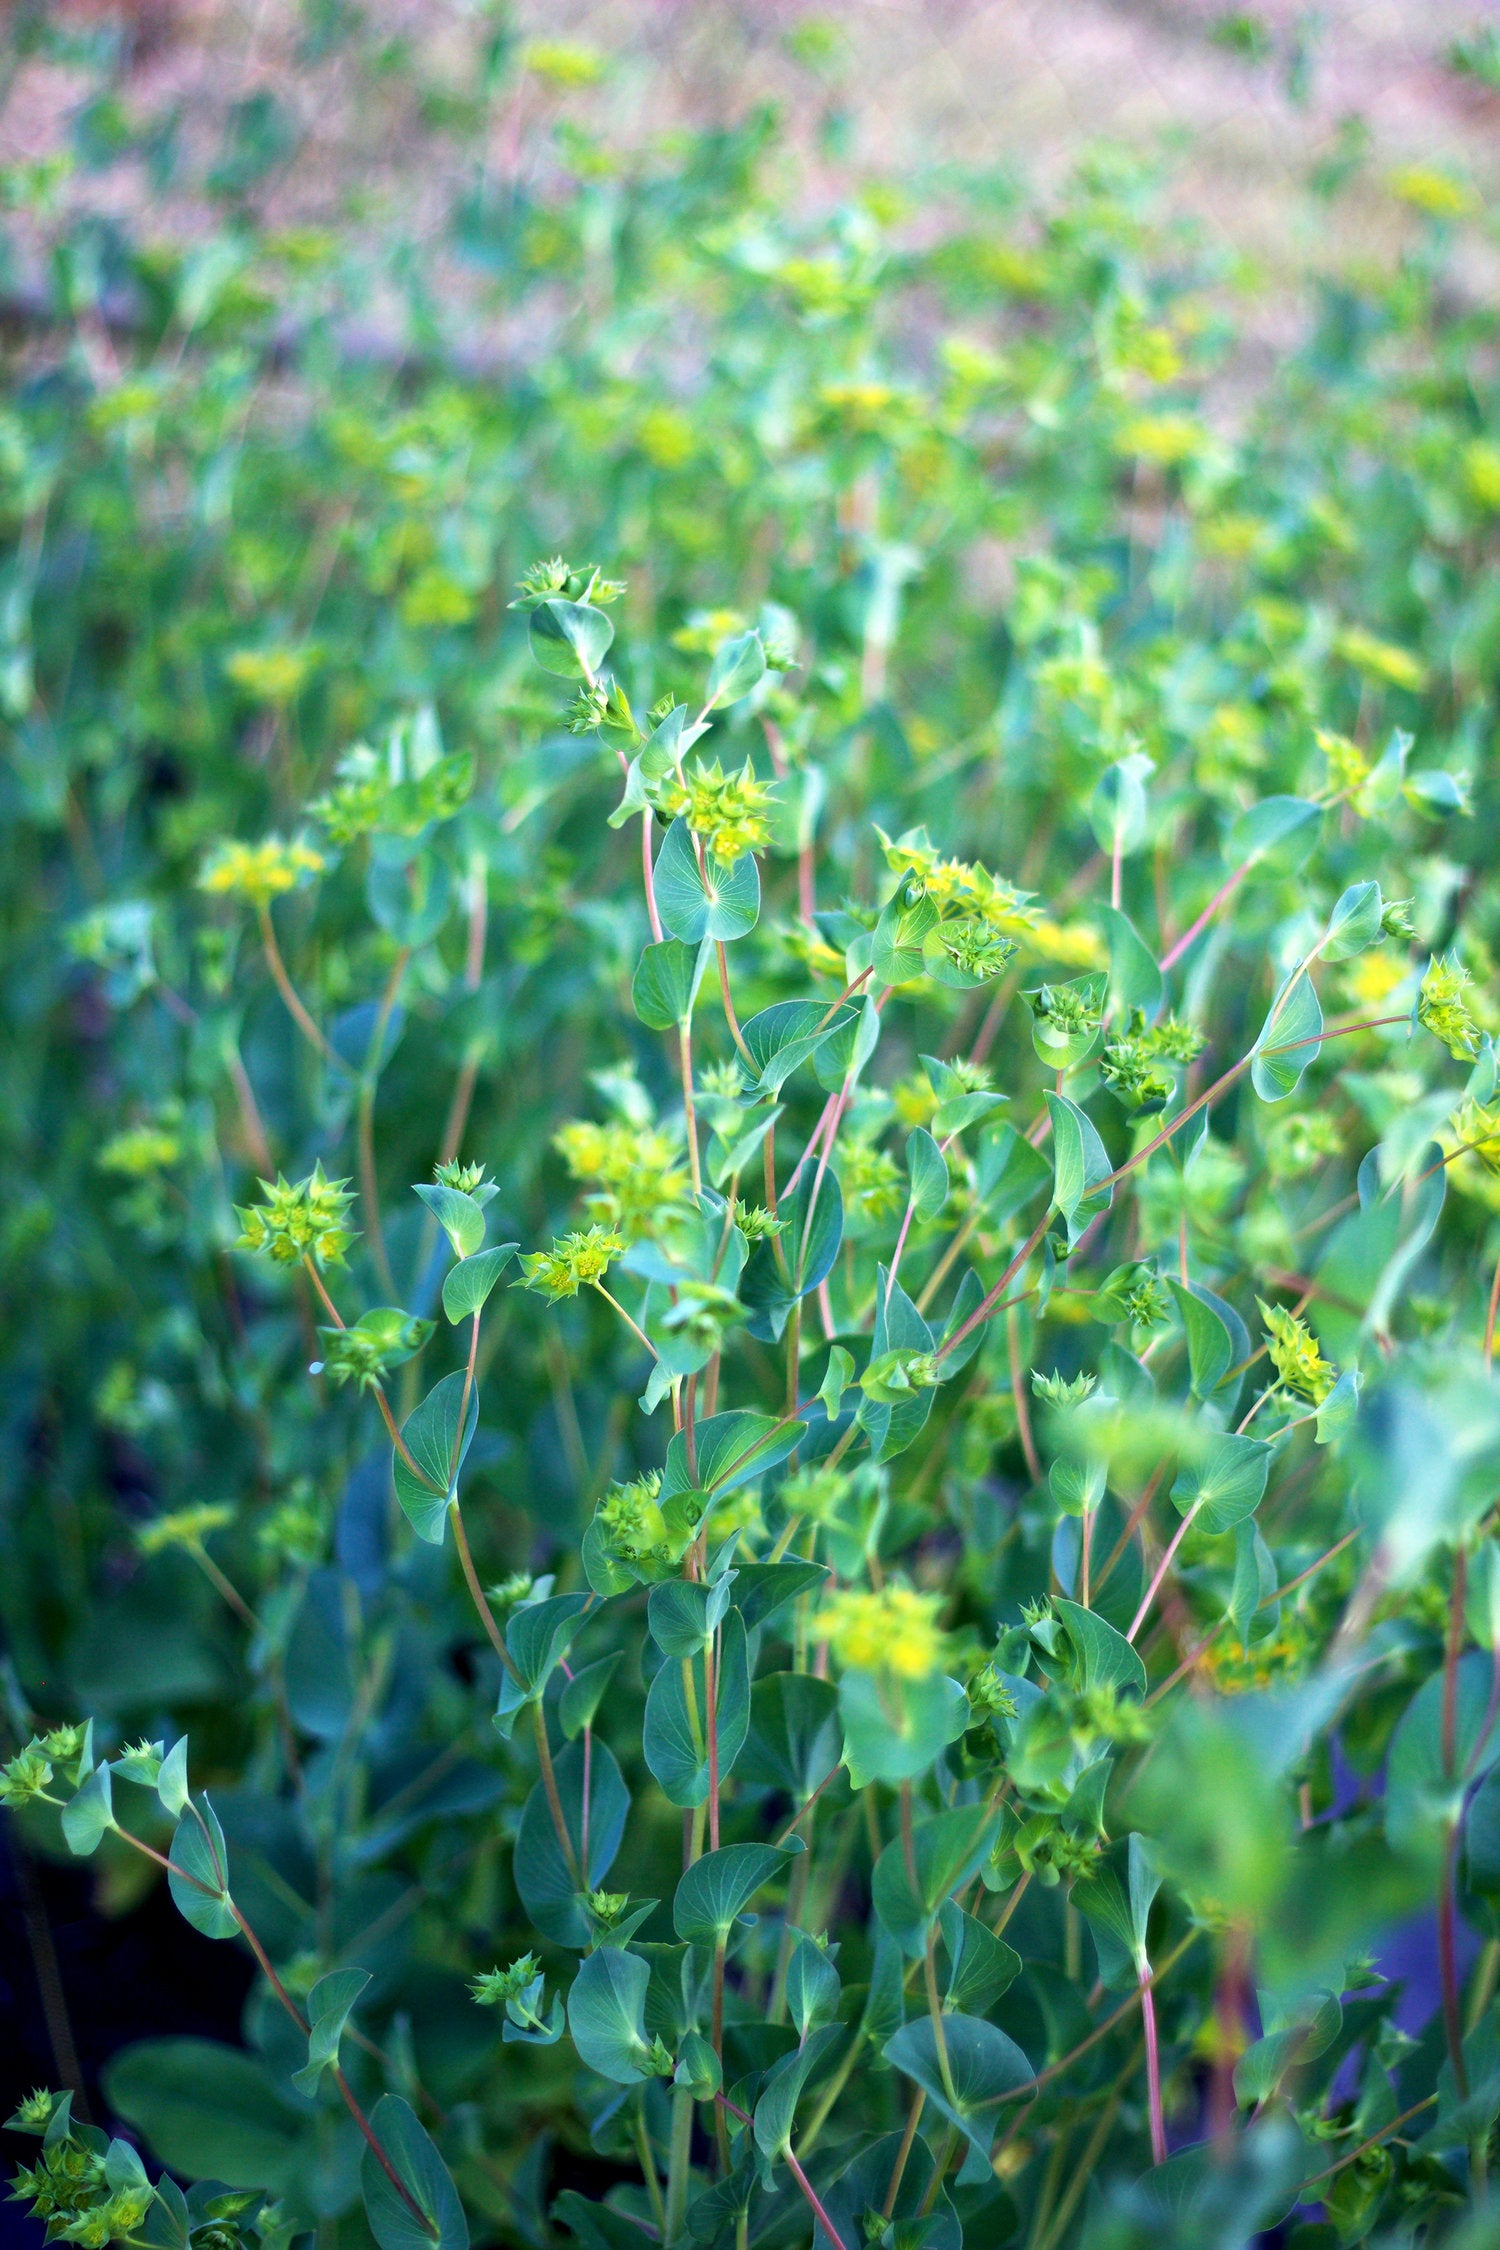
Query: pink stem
x=808 y=2190
x=1153 y=2069
x=1225 y=891
x=647 y=871
x=1161 y=1571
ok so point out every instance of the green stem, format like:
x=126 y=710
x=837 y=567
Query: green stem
x=290 y=995
x=675 y=2217
x=471 y=1579
x=898 y=2169
x=648 y=2160
x=554 y=1801
x=639 y=1333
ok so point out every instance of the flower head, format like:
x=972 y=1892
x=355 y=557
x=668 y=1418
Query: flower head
x=495 y=1986
x=25 y=1776
x=1147 y=1301
x=815 y=1492
x=184 y=1527
x=464 y=1177
x=35 y=2112
x=1063 y=1390
x=1442 y=1009
x=873 y=1181
x=573 y=1262
x=894 y=1630
x=1295 y=1354
x=631 y=1521
x=257 y=872
x=756 y=1223
x=959 y=885
x=728 y=812
x=299 y=1219
x=638 y=1170
x=511 y=1591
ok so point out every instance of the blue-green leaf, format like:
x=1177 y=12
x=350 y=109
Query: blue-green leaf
x=980 y=1965
x=722 y=904
x=459 y=1216
x=200 y=1891
x=927 y=1170
x=666 y=983
x=900 y=933
x=675 y=1737
x=718 y=1887
x=730 y=1450
x=1282 y=830
x=438 y=2223
x=788 y=1034
x=468 y=1284
x=1289 y=1039
x=1135 y=981
x=1105 y=1658
x=538 y=1638
x=893 y=1733
x=581 y=1698
x=542 y=1881
x=1223 y=1482
x=570 y=639
x=1354 y=922
x=793 y=1742
x=432 y=1438
x=945 y=1852
x=1117 y=809
x=89 y=1814
x=738 y=664
x=606 y=2015
x=1208 y=1341
x=1081 y=1167
x=983 y=2065
x=329 y=2005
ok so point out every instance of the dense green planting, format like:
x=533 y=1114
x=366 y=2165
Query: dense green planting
x=859 y=1616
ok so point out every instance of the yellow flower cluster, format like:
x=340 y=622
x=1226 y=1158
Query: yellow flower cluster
x=298 y=1219
x=961 y=885
x=1442 y=1009
x=638 y=1169
x=1380 y=660
x=1295 y=1354
x=138 y=1151
x=816 y=1493
x=575 y=1260
x=895 y=1630
x=728 y=812
x=872 y=1180
x=257 y=872
x=185 y=1527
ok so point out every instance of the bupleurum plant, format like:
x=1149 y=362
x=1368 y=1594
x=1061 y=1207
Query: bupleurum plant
x=855 y=1624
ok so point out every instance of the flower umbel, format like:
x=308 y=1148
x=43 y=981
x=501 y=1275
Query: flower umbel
x=728 y=812
x=184 y=1527
x=1295 y=1354
x=639 y=1172
x=1442 y=1009
x=631 y=1521
x=573 y=1262
x=257 y=872
x=894 y=1630
x=299 y=1219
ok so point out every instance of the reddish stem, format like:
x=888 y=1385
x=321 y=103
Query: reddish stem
x=1153 y=2070
x=1160 y=1573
